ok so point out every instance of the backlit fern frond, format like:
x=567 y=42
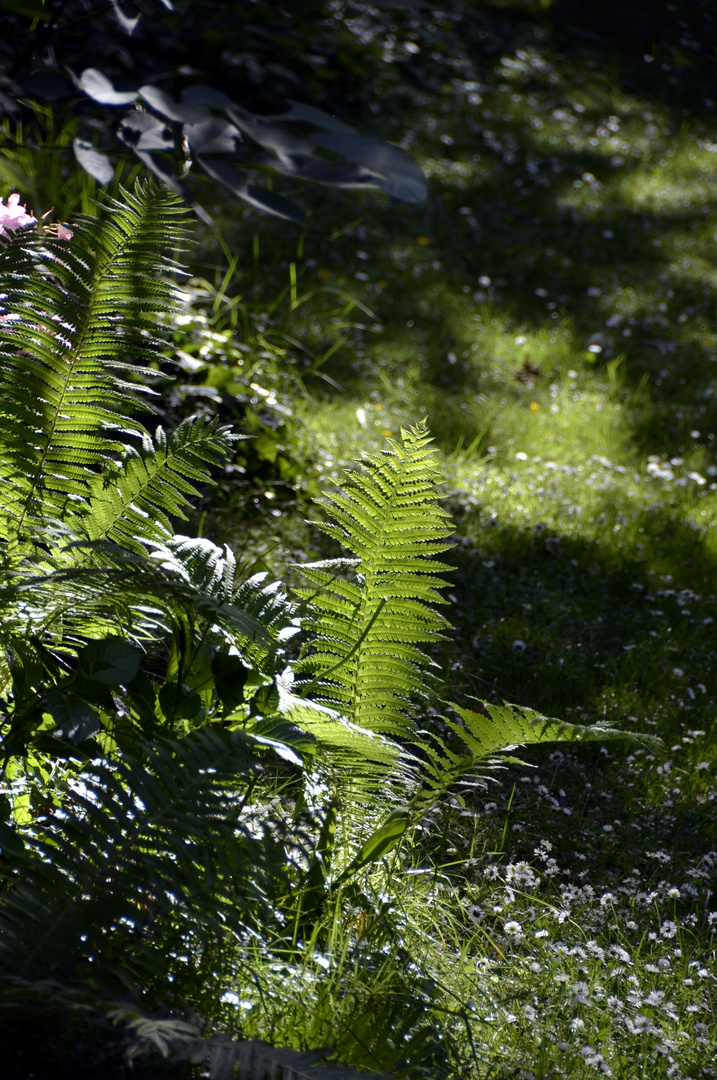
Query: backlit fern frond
x=77 y=322
x=487 y=738
x=367 y=633
x=154 y=483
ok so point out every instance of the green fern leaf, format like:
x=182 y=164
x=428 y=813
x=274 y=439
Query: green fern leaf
x=79 y=319
x=367 y=634
x=490 y=736
x=506 y=727
x=153 y=484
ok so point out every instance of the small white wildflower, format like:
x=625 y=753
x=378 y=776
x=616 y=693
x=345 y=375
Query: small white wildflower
x=541 y=933
x=576 y=1024
x=514 y=929
x=580 y=993
x=638 y=1024
x=668 y=929
x=655 y=997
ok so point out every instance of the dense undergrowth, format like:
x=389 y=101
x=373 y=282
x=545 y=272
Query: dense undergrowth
x=551 y=311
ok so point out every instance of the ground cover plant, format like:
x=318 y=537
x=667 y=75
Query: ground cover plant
x=560 y=290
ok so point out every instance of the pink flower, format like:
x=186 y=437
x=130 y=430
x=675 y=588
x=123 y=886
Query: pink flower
x=13 y=216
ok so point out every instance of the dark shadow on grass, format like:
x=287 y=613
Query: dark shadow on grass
x=588 y=632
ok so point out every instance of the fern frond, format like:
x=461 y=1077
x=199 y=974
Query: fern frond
x=367 y=634
x=490 y=735
x=506 y=727
x=368 y=758
x=229 y=1059
x=153 y=484
x=140 y=848
x=78 y=320
x=257 y=612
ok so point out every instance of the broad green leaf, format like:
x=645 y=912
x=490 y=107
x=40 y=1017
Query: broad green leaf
x=178 y=704
x=230 y=676
x=10 y=841
x=110 y=660
x=381 y=841
x=75 y=720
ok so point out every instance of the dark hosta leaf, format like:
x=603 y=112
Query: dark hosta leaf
x=93 y=161
x=75 y=720
x=180 y=112
x=315 y=117
x=127 y=21
x=212 y=137
x=144 y=132
x=234 y=178
x=201 y=94
x=172 y=182
x=327 y=172
x=272 y=133
x=261 y=199
x=99 y=88
x=110 y=660
x=388 y=167
x=401 y=177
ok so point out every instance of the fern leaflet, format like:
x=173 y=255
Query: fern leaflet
x=366 y=634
